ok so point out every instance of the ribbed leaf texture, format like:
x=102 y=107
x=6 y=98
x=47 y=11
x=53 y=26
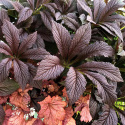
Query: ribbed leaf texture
x=85 y=7
x=35 y=53
x=4 y=48
x=114 y=28
x=62 y=38
x=3 y=15
x=5 y=65
x=17 y=6
x=107 y=117
x=94 y=107
x=28 y=42
x=31 y=3
x=106 y=91
x=21 y=73
x=24 y=14
x=11 y=34
x=46 y=18
x=32 y=71
x=99 y=5
x=107 y=69
x=75 y=85
x=80 y=40
x=110 y=8
x=71 y=23
x=49 y=68
x=96 y=49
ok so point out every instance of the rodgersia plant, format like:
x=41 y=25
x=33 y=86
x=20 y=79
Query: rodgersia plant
x=62 y=62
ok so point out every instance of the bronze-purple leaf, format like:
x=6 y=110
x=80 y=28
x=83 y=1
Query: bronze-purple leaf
x=35 y=53
x=62 y=38
x=12 y=35
x=5 y=65
x=80 y=40
x=107 y=117
x=4 y=48
x=85 y=7
x=114 y=28
x=31 y=3
x=24 y=14
x=3 y=15
x=17 y=6
x=75 y=85
x=106 y=91
x=27 y=42
x=49 y=68
x=97 y=49
x=105 y=68
x=110 y=8
x=99 y=5
x=39 y=42
x=46 y=18
x=71 y=23
x=21 y=73
x=32 y=71
x=6 y=3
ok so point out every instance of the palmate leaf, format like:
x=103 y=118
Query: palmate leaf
x=96 y=49
x=107 y=117
x=4 y=48
x=62 y=38
x=75 y=85
x=3 y=15
x=17 y=6
x=107 y=69
x=27 y=42
x=2 y=114
x=80 y=40
x=31 y=3
x=24 y=14
x=35 y=53
x=84 y=6
x=115 y=17
x=39 y=42
x=32 y=71
x=49 y=68
x=5 y=65
x=7 y=87
x=114 y=28
x=51 y=7
x=111 y=7
x=71 y=23
x=94 y=107
x=21 y=73
x=107 y=92
x=6 y=3
x=103 y=11
x=99 y=5
x=46 y=18
x=11 y=34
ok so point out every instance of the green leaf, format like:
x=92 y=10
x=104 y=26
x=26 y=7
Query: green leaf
x=7 y=87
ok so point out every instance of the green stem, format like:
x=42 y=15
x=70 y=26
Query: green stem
x=122 y=27
x=121 y=98
x=37 y=11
